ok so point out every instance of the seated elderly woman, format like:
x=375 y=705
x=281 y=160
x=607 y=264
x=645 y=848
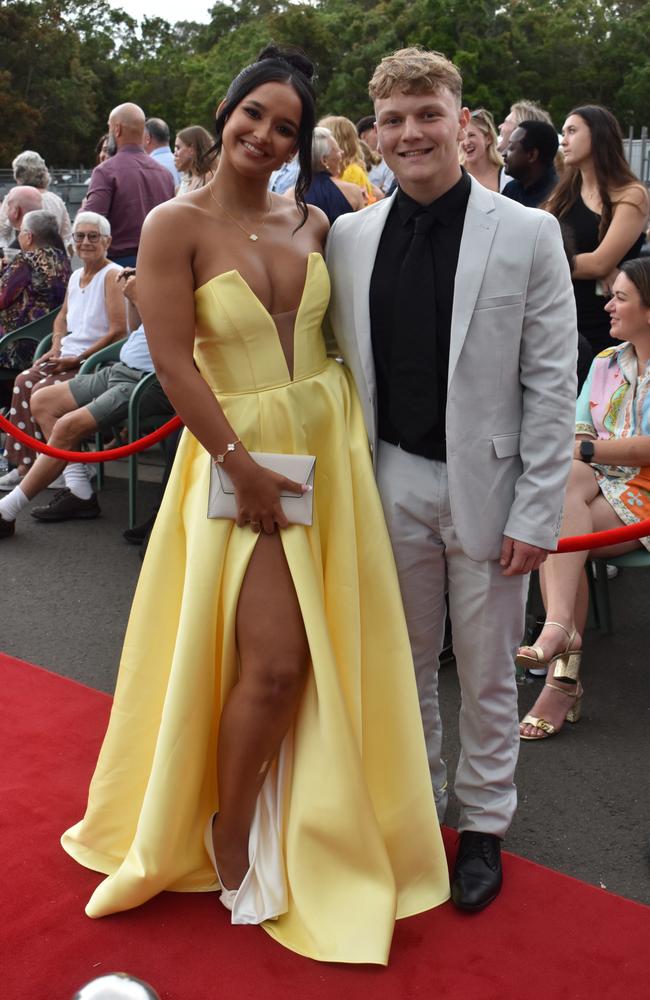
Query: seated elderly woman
x=29 y=169
x=353 y=166
x=92 y=316
x=334 y=196
x=609 y=484
x=32 y=284
x=70 y=412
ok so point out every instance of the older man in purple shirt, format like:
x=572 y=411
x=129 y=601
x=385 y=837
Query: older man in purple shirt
x=129 y=184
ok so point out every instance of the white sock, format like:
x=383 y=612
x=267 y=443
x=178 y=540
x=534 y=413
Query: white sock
x=12 y=504
x=77 y=479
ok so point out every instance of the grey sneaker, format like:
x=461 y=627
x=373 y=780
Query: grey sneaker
x=10 y=480
x=65 y=506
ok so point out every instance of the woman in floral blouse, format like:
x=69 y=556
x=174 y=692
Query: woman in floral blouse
x=609 y=485
x=32 y=284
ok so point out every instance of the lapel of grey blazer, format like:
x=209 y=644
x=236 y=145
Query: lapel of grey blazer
x=362 y=261
x=476 y=242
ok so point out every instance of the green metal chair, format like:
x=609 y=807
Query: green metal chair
x=107 y=356
x=35 y=330
x=137 y=426
x=599 y=585
x=42 y=346
x=39 y=330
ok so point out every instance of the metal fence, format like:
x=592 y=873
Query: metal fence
x=72 y=184
x=637 y=152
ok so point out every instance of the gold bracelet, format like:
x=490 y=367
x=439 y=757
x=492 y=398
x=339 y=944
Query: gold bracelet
x=220 y=459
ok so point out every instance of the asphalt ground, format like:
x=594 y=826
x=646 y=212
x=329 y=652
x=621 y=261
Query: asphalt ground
x=584 y=804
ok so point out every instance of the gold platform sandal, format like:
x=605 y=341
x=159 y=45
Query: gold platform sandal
x=539 y=659
x=566 y=669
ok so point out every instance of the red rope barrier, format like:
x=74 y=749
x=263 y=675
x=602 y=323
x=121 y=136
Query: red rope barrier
x=613 y=536
x=577 y=543
x=92 y=456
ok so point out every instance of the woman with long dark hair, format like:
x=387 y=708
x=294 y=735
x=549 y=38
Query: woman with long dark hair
x=606 y=208
x=609 y=486
x=266 y=739
x=194 y=158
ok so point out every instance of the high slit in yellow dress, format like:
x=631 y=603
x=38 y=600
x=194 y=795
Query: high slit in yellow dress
x=359 y=839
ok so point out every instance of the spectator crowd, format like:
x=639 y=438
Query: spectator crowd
x=82 y=275
x=472 y=277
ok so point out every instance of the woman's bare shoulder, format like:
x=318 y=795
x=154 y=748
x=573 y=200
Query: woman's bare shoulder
x=177 y=226
x=319 y=221
x=347 y=186
x=177 y=212
x=631 y=194
x=352 y=193
x=316 y=223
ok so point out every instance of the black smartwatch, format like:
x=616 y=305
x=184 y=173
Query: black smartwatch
x=587 y=451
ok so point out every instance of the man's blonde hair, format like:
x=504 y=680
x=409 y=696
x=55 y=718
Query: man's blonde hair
x=415 y=71
x=529 y=111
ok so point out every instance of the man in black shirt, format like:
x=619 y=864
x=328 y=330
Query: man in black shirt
x=529 y=161
x=453 y=308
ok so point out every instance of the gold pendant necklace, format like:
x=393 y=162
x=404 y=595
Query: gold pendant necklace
x=253 y=237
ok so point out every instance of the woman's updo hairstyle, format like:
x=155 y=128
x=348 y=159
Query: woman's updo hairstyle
x=278 y=65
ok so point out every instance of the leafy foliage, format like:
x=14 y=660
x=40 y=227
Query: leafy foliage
x=66 y=63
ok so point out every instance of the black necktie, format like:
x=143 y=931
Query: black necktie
x=413 y=376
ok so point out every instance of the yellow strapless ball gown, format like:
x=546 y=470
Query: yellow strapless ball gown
x=358 y=834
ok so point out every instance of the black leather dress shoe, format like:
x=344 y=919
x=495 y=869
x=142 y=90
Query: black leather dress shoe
x=65 y=506
x=7 y=528
x=477 y=873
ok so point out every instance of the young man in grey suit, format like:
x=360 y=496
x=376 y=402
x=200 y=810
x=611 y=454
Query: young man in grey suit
x=453 y=308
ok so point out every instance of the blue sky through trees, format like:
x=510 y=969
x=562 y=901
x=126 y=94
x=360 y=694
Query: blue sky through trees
x=170 y=10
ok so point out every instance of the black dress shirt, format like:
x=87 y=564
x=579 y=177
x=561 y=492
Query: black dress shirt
x=445 y=237
x=534 y=194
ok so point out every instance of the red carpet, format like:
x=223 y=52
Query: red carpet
x=184 y=945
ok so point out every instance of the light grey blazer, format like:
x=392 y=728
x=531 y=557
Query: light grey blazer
x=512 y=364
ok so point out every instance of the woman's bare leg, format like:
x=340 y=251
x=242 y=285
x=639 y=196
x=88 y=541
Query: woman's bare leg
x=552 y=705
x=562 y=576
x=49 y=403
x=274 y=659
x=66 y=432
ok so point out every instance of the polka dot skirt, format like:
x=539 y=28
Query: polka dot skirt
x=27 y=383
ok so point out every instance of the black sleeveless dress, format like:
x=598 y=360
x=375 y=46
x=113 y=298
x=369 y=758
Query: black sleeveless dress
x=593 y=321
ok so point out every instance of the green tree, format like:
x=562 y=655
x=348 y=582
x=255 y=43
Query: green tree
x=66 y=63
x=55 y=55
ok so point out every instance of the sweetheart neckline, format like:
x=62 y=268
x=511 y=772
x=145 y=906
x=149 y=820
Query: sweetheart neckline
x=271 y=316
x=238 y=274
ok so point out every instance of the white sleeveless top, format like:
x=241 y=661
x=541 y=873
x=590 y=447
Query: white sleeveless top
x=87 y=316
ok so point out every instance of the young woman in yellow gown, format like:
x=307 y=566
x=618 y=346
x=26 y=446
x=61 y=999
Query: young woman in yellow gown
x=266 y=674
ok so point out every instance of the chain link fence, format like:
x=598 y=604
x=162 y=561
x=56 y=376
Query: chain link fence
x=637 y=153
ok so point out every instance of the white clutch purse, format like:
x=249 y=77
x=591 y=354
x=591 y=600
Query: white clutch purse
x=300 y=468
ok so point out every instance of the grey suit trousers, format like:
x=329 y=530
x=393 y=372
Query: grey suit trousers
x=487 y=613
